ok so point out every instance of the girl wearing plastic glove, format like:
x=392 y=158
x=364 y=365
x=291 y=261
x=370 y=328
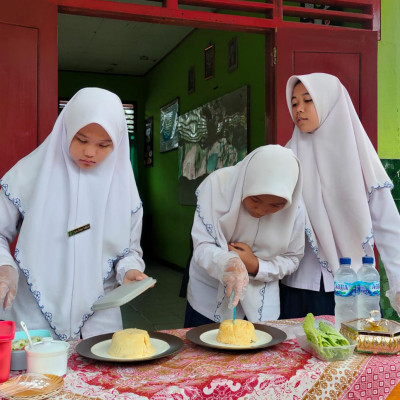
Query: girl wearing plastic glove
x=75 y=205
x=346 y=191
x=248 y=232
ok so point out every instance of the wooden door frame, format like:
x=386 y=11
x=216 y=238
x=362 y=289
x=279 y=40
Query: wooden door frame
x=287 y=42
x=273 y=20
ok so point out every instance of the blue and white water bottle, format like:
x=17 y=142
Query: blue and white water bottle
x=369 y=288
x=345 y=280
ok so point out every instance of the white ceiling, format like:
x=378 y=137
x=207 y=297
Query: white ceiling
x=114 y=46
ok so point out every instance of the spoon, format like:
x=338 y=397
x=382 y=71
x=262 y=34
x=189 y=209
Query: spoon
x=234 y=308
x=27 y=333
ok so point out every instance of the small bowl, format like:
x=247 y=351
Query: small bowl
x=18 y=357
x=47 y=357
x=337 y=353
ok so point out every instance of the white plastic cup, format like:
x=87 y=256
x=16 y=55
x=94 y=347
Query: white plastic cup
x=47 y=357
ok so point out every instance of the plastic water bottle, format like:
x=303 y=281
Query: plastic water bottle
x=345 y=293
x=369 y=288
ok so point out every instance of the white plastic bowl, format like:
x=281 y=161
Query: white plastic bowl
x=47 y=357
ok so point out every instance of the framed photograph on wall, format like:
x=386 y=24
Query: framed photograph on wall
x=209 y=53
x=148 y=142
x=232 y=54
x=168 y=124
x=211 y=136
x=191 y=80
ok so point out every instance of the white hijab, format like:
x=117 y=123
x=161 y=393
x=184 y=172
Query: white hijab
x=66 y=274
x=267 y=170
x=341 y=171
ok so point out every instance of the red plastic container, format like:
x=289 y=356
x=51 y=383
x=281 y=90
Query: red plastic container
x=7 y=332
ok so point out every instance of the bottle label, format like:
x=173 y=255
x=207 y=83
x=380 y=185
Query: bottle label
x=369 y=288
x=345 y=289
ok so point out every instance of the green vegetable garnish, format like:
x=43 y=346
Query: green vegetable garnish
x=20 y=344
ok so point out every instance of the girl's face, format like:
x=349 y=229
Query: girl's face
x=303 y=110
x=90 y=146
x=263 y=204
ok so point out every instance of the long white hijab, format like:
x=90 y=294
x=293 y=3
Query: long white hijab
x=341 y=171
x=66 y=274
x=269 y=169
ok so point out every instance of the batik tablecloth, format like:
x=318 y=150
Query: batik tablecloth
x=283 y=371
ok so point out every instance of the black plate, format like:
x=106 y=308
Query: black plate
x=84 y=348
x=194 y=334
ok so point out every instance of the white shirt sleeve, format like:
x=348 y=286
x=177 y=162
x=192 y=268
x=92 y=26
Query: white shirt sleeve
x=287 y=263
x=206 y=254
x=386 y=225
x=9 y=222
x=133 y=260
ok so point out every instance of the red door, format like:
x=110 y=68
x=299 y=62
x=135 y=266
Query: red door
x=28 y=76
x=351 y=56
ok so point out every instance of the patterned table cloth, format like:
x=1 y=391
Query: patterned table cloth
x=281 y=372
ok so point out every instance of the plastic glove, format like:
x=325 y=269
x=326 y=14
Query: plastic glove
x=235 y=277
x=394 y=298
x=8 y=286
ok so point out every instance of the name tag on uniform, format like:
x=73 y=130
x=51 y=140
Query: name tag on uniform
x=79 y=230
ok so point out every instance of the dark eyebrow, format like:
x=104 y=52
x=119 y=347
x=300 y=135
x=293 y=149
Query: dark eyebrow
x=304 y=94
x=82 y=134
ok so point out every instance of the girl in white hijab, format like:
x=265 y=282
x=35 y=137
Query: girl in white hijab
x=346 y=191
x=248 y=230
x=75 y=205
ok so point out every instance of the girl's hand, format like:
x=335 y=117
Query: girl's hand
x=246 y=255
x=134 y=275
x=235 y=278
x=8 y=286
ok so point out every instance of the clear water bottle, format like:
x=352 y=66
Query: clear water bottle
x=369 y=288
x=345 y=293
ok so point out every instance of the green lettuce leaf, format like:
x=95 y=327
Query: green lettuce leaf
x=326 y=339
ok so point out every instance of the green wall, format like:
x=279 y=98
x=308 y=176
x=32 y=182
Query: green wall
x=389 y=81
x=168 y=224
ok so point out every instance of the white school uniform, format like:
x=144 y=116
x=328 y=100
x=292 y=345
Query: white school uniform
x=346 y=190
x=61 y=276
x=277 y=239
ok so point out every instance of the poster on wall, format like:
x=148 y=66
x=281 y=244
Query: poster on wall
x=211 y=136
x=168 y=126
x=148 y=142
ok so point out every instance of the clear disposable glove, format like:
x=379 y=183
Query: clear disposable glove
x=8 y=286
x=394 y=298
x=235 y=277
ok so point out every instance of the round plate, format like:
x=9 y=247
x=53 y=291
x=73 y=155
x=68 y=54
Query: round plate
x=164 y=343
x=206 y=335
x=25 y=386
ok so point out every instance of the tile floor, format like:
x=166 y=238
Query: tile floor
x=159 y=307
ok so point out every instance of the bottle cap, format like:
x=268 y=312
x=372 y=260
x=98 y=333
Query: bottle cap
x=345 y=260
x=367 y=260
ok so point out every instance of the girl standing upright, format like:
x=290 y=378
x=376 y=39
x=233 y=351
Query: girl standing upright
x=346 y=191
x=75 y=205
